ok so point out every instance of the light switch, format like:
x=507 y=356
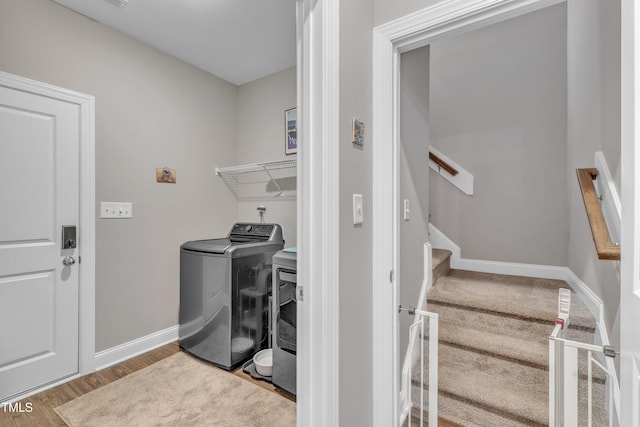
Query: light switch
x=357 y=209
x=407 y=209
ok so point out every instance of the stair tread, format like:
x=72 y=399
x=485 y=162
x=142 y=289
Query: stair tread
x=438 y=256
x=490 y=388
x=462 y=316
x=441 y=264
x=466 y=414
x=494 y=346
x=493 y=383
x=533 y=352
x=512 y=295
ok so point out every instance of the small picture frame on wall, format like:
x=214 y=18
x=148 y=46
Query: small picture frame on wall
x=358 y=132
x=291 y=131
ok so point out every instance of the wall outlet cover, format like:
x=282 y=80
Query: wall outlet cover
x=116 y=210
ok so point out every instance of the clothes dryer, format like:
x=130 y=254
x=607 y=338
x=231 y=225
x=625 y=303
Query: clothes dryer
x=285 y=319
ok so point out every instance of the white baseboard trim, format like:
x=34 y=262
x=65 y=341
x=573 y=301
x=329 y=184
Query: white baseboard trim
x=590 y=299
x=513 y=269
x=135 y=347
x=441 y=241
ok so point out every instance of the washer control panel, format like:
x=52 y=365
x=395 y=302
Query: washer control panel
x=248 y=229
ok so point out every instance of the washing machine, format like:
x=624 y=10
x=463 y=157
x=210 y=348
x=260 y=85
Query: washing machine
x=225 y=289
x=285 y=319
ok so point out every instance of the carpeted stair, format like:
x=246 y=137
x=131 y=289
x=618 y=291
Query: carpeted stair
x=494 y=345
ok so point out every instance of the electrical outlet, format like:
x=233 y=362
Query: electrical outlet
x=116 y=210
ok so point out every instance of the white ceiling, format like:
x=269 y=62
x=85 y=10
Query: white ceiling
x=236 y=40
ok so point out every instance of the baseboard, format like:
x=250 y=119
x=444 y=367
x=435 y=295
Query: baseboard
x=135 y=347
x=440 y=241
x=590 y=299
x=513 y=269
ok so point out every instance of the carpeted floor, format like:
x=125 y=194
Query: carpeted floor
x=179 y=391
x=494 y=345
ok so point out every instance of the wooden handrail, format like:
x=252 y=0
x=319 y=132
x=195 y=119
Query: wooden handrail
x=605 y=248
x=444 y=165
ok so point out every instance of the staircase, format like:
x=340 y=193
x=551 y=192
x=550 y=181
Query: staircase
x=494 y=345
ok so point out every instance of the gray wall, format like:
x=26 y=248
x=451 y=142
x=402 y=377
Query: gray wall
x=261 y=133
x=593 y=125
x=498 y=109
x=388 y=10
x=152 y=110
x=356 y=293
x=414 y=180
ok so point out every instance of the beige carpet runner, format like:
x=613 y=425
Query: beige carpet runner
x=179 y=391
x=494 y=345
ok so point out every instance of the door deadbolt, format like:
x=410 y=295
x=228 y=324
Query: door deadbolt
x=68 y=237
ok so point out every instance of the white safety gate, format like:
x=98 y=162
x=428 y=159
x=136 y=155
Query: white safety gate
x=422 y=333
x=572 y=391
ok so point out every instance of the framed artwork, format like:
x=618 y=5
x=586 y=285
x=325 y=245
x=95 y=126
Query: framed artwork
x=291 y=131
x=358 y=132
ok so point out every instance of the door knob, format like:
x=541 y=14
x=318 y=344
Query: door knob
x=69 y=260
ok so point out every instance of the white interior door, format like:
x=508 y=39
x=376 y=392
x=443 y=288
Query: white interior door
x=630 y=232
x=39 y=189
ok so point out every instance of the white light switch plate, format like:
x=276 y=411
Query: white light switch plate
x=407 y=209
x=357 y=209
x=116 y=210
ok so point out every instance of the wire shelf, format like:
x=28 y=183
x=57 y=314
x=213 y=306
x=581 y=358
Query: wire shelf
x=260 y=181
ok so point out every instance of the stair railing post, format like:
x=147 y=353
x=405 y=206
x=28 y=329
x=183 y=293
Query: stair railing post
x=433 y=370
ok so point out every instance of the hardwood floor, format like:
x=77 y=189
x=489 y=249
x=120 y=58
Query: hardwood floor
x=43 y=404
x=263 y=384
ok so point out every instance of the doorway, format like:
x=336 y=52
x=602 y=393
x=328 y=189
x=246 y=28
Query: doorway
x=390 y=41
x=50 y=278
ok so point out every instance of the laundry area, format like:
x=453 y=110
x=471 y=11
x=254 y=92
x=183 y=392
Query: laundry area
x=195 y=172
x=238 y=303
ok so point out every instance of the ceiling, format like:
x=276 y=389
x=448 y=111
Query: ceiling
x=236 y=40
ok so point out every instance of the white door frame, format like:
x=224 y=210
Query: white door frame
x=630 y=228
x=318 y=52
x=86 y=230
x=389 y=41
